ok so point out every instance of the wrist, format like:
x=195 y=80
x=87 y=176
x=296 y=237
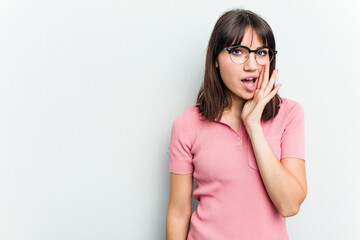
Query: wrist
x=254 y=130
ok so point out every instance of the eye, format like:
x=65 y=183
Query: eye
x=263 y=52
x=237 y=51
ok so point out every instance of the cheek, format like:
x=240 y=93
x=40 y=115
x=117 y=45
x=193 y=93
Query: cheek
x=228 y=72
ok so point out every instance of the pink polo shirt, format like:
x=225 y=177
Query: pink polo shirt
x=233 y=202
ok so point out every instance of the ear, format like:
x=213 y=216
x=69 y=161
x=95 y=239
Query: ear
x=216 y=63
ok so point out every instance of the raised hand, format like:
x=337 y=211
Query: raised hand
x=253 y=108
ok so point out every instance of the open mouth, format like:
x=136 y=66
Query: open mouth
x=249 y=81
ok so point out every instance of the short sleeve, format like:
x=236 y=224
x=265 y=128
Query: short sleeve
x=293 y=137
x=180 y=149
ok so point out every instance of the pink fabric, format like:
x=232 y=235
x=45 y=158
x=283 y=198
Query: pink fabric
x=233 y=202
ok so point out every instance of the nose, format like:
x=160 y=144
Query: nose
x=251 y=63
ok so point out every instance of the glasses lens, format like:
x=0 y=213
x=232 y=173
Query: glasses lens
x=264 y=56
x=239 y=55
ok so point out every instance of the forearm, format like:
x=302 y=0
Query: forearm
x=283 y=188
x=176 y=227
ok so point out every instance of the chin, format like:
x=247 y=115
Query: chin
x=249 y=96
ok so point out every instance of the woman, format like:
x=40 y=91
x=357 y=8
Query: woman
x=242 y=143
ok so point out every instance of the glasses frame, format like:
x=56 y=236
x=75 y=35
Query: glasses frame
x=250 y=51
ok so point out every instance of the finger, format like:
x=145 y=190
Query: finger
x=266 y=76
x=260 y=78
x=271 y=81
x=270 y=96
x=273 y=92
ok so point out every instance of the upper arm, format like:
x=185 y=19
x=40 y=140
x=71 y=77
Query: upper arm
x=293 y=144
x=296 y=167
x=180 y=195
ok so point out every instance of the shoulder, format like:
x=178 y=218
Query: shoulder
x=188 y=117
x=288 y=106
x=291 y=112
x=189 y=112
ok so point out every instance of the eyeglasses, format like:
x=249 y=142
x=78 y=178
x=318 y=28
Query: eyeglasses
x=240 y=54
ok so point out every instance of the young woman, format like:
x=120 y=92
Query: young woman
x=242 y=143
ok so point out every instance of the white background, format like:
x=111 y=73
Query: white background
x=89 y=91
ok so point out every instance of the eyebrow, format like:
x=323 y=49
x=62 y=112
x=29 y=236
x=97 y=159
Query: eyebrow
x=233 y=46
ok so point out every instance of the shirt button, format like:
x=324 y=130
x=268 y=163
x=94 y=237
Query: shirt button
x=238 y=138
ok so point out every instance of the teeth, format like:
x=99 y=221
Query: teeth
x=250 y=79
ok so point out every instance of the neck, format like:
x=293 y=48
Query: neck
x=236 y=108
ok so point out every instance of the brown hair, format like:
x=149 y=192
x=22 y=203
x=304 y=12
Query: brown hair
x=213 y=96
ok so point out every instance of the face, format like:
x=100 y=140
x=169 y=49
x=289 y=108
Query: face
x=232 y=74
